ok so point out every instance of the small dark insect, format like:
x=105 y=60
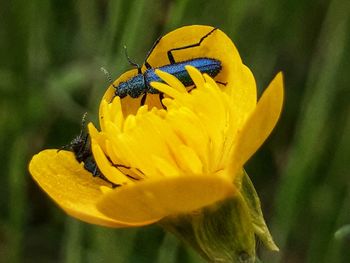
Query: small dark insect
x=140 y=84
x=81 y=147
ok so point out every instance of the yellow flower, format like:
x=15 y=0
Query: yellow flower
x=169 y=161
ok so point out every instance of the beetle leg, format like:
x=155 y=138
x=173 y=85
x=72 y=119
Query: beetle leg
x=150 y=51
x=143 y=99
x=190 y=89
x=170 y=54
x=147 y=65
x=161 y=97
x=95 y=173
x=118 y=166
x=222 y=83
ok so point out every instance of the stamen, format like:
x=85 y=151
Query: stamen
x=189 y=160
x=107 y=169
x=116 y=112
x=96 y=135
x=196 y=76
x=105 y=189
x=130 y=123
x=172 y=81
x=164 y=167
x=166 y=89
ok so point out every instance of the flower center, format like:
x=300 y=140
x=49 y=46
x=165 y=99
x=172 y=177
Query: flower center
x=194 y=135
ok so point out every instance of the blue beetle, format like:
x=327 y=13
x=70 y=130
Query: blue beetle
x=140 y=84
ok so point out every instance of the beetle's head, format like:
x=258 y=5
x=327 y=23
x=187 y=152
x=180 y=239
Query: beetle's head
x=122 y=89
x=133 y=87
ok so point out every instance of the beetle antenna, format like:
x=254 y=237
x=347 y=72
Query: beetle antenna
x=108 y=76
x=83 y=124
x=130 y=61
x=78 y=138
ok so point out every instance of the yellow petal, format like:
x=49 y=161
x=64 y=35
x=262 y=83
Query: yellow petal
x=165 y=88
x=73 y=188
x=260 y=123
x=196 y=76
x=171 y=80
x=243 y=93
x=154 y=199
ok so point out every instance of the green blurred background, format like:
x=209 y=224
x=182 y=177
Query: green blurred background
x=50 y=58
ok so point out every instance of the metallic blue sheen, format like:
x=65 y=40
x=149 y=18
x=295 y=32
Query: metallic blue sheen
x=140 y=84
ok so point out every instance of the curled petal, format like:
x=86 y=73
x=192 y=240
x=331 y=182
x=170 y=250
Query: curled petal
x=151 y=200
x=260 y=123
x=73 y=188
x=243 y=93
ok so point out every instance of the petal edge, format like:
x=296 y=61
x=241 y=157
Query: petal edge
x=260 y=123
x=158 y=198
x=73 y=188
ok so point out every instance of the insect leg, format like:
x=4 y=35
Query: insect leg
x=222 y=83
x=95 y=172
x=118 y=166
x=143 y=99
x=161 y=97
x=170 y=54
x=150 y=51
